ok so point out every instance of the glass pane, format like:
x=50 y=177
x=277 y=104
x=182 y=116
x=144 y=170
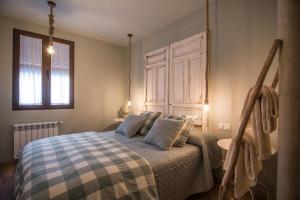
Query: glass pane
x=30 y=77
x=60 y=75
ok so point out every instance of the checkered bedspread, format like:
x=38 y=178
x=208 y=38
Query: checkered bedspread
x=83 y=166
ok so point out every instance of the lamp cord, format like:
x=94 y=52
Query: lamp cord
x=129 y=65
x=51 y=21
x=207 y=53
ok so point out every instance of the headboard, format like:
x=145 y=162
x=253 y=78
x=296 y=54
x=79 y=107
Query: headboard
x=174 y=79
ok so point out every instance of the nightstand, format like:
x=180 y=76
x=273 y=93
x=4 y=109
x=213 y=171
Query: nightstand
x=118 y=119
x=225 y=144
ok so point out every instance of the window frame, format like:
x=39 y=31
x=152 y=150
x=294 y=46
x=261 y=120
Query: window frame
x=46 y=72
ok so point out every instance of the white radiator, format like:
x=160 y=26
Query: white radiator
x=25 y=133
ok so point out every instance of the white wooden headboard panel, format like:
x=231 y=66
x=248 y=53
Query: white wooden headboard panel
x=175 y=78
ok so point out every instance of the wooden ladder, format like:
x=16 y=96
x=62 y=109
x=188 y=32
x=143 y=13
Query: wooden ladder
x=255 y=94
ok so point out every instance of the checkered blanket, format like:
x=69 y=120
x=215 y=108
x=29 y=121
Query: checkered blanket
x=83 y=166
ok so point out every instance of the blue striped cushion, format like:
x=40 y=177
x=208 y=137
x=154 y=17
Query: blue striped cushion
x=151 y=117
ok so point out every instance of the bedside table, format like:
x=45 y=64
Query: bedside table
x=224 y=143
x=118 y=119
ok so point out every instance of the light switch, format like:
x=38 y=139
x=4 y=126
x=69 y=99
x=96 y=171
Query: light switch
x=227 y=127
x=224 y=127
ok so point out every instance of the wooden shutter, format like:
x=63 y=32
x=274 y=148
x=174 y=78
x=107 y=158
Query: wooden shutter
x=156 y=80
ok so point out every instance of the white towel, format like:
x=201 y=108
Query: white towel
x=263 y=119
x=247 y=167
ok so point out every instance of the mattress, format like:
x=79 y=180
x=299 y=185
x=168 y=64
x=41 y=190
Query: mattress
x=178 y=173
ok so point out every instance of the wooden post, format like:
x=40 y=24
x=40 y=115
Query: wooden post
x=288 y=164
x=239 y=138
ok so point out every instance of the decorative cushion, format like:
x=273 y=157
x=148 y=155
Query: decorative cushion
x=184 y=133
x=164 y=133
x=185 y=130
x=131 y=125
x=151 y=117
x=176 y=117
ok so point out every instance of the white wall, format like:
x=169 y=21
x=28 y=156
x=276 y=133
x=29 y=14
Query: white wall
x=100 y=85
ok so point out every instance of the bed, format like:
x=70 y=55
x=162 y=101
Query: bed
x=178 y=173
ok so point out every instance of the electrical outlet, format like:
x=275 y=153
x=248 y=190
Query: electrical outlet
x=227 y=127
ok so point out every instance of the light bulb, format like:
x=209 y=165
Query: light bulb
x=50 y=49
x=206 y=107
x=128 y=103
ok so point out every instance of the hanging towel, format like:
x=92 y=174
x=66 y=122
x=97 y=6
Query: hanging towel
x=263 y=119
x=256 y=145
x=247 y=167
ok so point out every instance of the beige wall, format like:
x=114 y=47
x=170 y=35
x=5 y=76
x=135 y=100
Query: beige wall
x=183 y=28
x=242 y=33
x=100 y=85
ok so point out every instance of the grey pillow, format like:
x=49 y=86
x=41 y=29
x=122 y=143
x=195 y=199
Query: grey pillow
x=164 y=133
x=195 y=137
x=131 y=125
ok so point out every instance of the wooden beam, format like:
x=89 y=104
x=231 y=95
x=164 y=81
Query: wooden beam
x=239 y=138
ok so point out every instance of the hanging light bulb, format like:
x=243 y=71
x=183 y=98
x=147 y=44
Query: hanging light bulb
x=127 y=108
x=206 y=106
x=129 y=35
x=50 y=48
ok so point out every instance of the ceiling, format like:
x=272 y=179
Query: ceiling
x=106 y=20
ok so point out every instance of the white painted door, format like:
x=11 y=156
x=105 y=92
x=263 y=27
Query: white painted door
x=175 y=82
x=187 y=77
x=196 y=78
x=156 y=80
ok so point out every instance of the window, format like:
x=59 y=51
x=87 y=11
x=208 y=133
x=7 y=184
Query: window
x=40 y=80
